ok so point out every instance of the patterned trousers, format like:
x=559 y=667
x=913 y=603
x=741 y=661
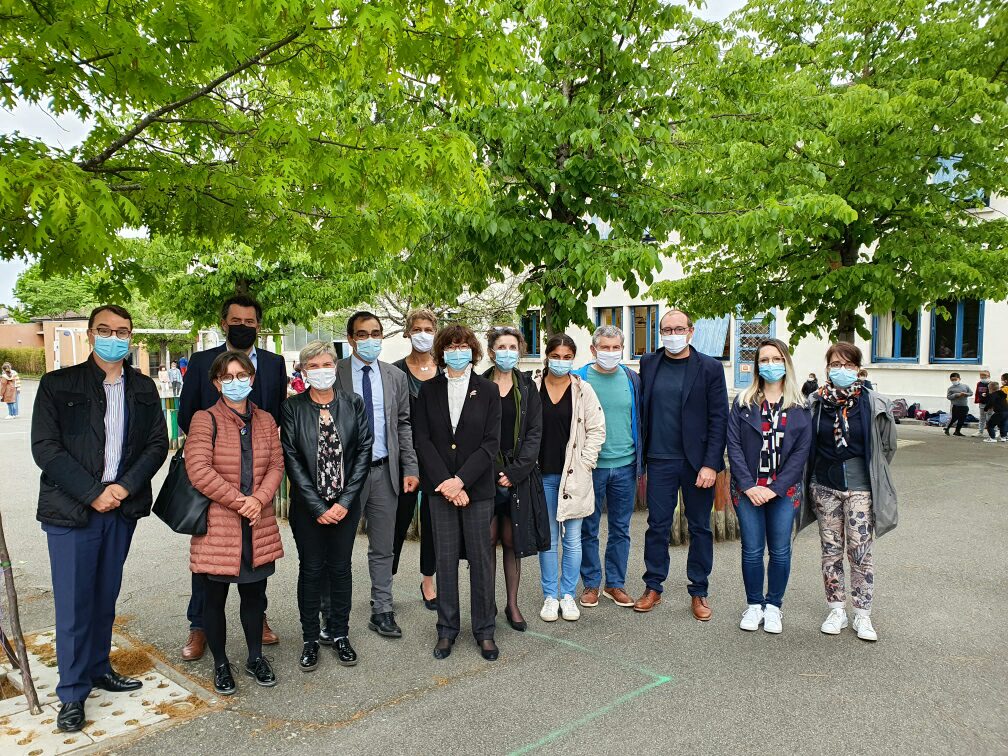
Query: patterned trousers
x=846 y=522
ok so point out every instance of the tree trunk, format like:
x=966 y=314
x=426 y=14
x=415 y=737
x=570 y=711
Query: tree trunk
x=548 y=319
x=846 y=326
x=15 y=618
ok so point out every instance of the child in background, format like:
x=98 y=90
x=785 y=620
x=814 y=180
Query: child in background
x=996 y=405
x=979 y=397
x=958 y=396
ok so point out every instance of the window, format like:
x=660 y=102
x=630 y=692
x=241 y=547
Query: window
x=894 y=342
x=710 y=336
x=296 y=338
x=530 y=330
x=950 y=173
x=645 y=329
x=959 y=338
x=609 y=316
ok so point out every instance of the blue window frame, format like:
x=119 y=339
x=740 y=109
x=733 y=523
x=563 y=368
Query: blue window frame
x=644 y=336
x=530 y=329
x=960 y=338
x=609 y=316
x=894 y=342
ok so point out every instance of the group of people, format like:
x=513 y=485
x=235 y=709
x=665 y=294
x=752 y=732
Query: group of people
x=487 y=458
x=991 y=400
x=170 y=378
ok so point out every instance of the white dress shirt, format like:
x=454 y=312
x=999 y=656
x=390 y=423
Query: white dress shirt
x=457 y=390
x=115 y=427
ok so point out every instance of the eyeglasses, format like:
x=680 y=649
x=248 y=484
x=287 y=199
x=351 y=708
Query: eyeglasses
x=228 y=378
x=840 y=365
x=771 y=361
x=678 y=331
x=105 y=332
x=361 y=335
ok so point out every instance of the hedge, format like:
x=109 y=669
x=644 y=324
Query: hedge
x=25 y=360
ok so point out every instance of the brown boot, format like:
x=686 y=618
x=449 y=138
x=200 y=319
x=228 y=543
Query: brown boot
x=648 y=601
x=701 y=609
x=269 y=638
x=195 y=646
x=589 y=597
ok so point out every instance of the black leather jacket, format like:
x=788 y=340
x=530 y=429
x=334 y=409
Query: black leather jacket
x=68 y=443
x=299 y=437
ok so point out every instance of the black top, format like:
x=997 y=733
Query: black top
x=996 y=402
x=666 y=410
x=412 y=381
x=826 y=447
x=509 y=418
x=557 y=420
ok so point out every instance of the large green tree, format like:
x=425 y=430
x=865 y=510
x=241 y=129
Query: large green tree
x=276 y=122
x=827 y=189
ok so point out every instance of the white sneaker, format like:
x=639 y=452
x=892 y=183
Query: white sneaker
x=772 y=619
x=863 y=628
x=549 y=611
x=990 y=440
x=751 y=618
x=835 y=621
x=568 y=609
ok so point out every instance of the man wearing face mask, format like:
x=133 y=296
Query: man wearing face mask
x=240 y=320
x=620 y=465
x=386 y=396
x=99 y=436
x=685 y=418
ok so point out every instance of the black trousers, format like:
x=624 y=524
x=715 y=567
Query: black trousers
x=958 y=417
x=324 y=551
x=451 y=525
x=253 y=604
x=404 y=518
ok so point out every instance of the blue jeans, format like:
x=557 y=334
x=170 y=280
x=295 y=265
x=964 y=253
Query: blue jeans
x=548 y=560
x=766 y=528
x=665 y=479
x=616 y=487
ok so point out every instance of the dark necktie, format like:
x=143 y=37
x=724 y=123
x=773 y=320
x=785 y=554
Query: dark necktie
x=368 y=401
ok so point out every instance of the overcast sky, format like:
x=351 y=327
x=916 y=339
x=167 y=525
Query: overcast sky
x=68 y=131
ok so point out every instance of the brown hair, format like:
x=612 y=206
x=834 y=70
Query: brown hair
x=421 y=314
x=558 y=340
x=673 y=311
x=220 y=364
x=452 y=333
x=497 y=331
x=122 y=312
x=845 y=351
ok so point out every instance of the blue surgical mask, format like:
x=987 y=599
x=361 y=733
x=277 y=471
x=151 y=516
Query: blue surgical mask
x=505 y=359
x=111 y=348
x=457 y=359
x=772 y=372
x=560 y=367
x=237 y=389
x=842 y=377
x=369 y=349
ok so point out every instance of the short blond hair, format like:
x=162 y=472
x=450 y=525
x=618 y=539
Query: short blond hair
x=420 y=314
x=315 y=349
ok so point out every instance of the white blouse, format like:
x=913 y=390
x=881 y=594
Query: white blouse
x=457 y=389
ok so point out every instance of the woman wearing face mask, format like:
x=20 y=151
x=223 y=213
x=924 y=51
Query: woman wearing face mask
x=520 y=522
x=457 y=432
x=233 y=457
x=327 y=447
x=573 y=434
x=851 y=492
x=419 y=366
x=769 y=433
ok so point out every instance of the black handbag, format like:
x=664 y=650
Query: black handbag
x=180 y=506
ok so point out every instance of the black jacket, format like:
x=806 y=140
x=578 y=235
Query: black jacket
x=268 y=390
x=68 y=443
x=471 y=450
x=299 y=437
x=529 y=514
x=996 y=401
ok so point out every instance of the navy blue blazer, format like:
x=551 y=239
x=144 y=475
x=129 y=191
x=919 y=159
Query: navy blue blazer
x=745 y=441
x=268 y=390
x=704 y=407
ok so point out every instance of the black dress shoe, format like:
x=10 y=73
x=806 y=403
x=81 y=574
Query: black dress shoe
x=488 y=649
x=521 y=627
x=443 y=648
x=345 y=654
x=429 y=603
x=261 y=671
x=385 y=624
x=309 y=656
x=324 y=638
x=71 y=717
x=113 y=682
x=223 y=680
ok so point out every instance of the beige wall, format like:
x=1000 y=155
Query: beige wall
x=21 y=335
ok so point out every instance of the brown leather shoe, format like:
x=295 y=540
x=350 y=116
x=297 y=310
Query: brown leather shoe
x=618 y=596
x=701 y=609
x=269 y=637
x=589 y=597
x=195 y=646
x=648 y=601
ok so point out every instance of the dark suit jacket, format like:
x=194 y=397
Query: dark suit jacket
x=268 y=390
x=704 y=407
x=745 y=442
x=471 y=450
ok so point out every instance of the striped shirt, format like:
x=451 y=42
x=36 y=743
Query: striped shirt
x=115 y=426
